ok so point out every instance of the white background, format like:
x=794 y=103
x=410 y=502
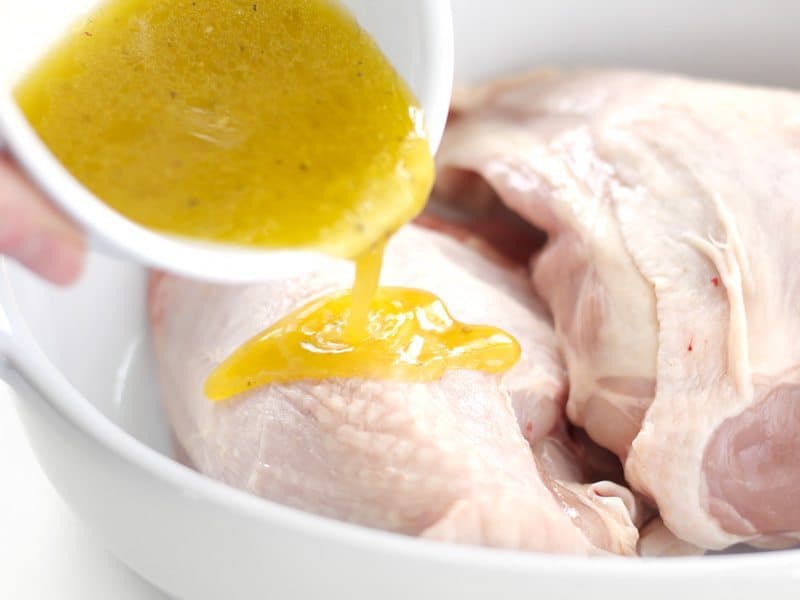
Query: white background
x=45 y=553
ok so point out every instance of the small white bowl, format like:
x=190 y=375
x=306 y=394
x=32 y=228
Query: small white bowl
x=416 y=36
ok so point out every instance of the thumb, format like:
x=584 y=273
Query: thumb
x=34 y=233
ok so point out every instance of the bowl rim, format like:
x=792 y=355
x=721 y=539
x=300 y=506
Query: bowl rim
x=27 y=358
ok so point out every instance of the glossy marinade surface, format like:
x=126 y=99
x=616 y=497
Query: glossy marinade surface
x=409 y=336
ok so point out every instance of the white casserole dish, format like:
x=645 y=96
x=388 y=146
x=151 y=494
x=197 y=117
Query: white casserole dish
x=80 y=363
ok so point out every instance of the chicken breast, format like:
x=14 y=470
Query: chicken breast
x=447 y=460
x=670 y=269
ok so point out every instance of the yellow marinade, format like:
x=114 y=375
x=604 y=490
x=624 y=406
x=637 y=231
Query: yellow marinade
x=269 y=123
x=410 y=337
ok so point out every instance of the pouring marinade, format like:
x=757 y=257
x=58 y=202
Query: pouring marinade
x=261 y=123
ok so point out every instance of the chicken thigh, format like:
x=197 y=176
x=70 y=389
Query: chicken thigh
x=449 y=460
x=670 y=268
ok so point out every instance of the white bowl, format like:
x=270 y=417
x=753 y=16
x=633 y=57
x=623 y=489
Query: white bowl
x=416 y=36
x=79 y=359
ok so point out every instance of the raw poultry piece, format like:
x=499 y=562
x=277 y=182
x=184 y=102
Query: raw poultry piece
x=446 y=460
x=656 y=540
x=671 y=269
x=571 y=464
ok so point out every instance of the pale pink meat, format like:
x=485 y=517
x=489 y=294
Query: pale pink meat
x=447 y=460
x=656 y=540
x=671 y=270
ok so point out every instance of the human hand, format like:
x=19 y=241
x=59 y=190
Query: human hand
x=34 y=232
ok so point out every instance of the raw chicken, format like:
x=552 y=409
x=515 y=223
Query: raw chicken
x=656 y=540
x=674 y=229
x=567 y=464
x=445 y=460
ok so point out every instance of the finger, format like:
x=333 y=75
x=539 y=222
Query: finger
x=33 y=232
